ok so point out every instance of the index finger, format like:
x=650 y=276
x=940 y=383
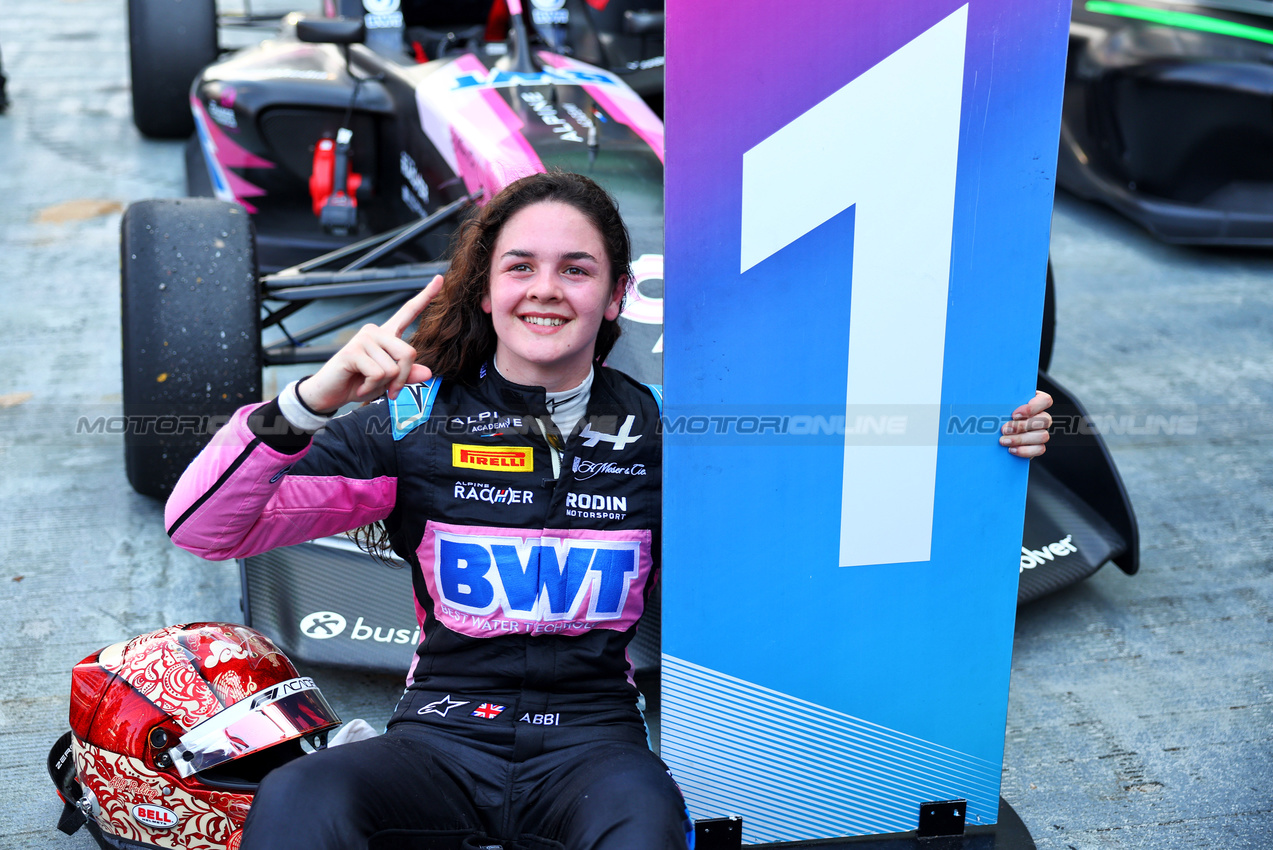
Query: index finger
x=1041 y=402
x=408 y=312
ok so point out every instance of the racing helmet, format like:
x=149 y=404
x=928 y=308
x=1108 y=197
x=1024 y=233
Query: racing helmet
x=172 y=731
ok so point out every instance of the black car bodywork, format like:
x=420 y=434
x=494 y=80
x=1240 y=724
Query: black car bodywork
x=1167 y=116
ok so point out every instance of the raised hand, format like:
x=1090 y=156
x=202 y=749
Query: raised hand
x=375 y=361
x=1026 y=434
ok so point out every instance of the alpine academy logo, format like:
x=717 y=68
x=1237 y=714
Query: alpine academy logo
x=492 y=458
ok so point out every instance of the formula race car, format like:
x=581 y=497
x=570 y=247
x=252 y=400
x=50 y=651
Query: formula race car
x=339 y=155
x=343 y=162
x=1166 y=116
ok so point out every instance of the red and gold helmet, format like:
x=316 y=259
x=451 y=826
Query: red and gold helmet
x=172 y=731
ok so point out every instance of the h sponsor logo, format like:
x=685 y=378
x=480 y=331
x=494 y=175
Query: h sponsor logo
x=492 y=495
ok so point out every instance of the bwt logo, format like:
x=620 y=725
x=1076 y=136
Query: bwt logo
x=537 y=579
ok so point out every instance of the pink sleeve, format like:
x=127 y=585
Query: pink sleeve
x=237 y=499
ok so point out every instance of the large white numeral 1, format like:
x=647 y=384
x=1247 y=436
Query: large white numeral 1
x=887 y=142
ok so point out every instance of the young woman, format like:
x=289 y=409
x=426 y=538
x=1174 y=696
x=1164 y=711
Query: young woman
x=519 y=721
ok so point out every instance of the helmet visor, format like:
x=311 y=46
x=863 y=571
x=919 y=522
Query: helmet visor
x=284 y=711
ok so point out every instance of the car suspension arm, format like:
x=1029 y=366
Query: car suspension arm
x=295 y=351
x=375 y=247
x=419 y=228
x=310 y=281
x=314 y=285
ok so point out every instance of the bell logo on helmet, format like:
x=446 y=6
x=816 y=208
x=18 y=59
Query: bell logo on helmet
x=182 y=700
x=155 y=817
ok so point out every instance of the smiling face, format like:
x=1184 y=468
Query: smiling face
x=550 y=288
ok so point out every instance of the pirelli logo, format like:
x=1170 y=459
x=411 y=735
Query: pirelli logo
x=490 y=457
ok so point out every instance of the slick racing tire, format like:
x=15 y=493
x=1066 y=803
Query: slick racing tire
x=1048 y=338
x=191 y=331
x=169 y=43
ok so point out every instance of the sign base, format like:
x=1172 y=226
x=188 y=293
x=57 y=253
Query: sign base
x=1010 y=833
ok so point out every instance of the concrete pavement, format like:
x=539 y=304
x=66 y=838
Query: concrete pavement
x=1141 y=713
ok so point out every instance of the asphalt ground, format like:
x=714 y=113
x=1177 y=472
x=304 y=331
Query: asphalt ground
x=1141 y=713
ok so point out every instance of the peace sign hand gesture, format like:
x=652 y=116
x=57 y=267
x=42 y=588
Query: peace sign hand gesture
x=375 y=361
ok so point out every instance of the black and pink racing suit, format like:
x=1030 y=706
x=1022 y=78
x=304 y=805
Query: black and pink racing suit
x=532 y=558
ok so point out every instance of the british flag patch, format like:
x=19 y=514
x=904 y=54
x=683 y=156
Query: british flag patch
x=488 y=710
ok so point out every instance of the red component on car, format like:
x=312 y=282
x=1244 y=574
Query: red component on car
x=497 y=22
x=324 y=175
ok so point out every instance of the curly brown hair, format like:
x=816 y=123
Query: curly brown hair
x=455 y=336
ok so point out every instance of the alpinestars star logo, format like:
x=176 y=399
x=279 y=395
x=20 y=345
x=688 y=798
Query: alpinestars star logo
x=442 y=706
